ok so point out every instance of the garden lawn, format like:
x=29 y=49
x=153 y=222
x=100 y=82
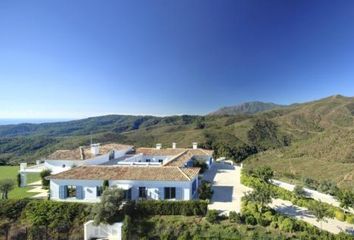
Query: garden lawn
x=10 y=172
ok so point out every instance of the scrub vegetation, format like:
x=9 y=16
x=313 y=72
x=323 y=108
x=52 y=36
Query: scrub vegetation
x=311 y=140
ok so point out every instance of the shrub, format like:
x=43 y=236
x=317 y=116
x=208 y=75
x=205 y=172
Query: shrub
x=299 y=191
x=250 y=220
x=53 y=214
x=11 y=209
x=18 y=180
x=265 y=174
x=274 y=225
x=154 y=207
x=268 y=215
x=263 y=221
x=350 y=219
x=107 y=211
x=44 y=174
x=126 y=228
x=205 y=192
x=212 y=216
x=6 y=185
x=105 y=184
x=287 y=225
x=340 y=215
x=235 y=217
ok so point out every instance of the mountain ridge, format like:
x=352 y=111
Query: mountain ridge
x=250 y=108
x=319 y=137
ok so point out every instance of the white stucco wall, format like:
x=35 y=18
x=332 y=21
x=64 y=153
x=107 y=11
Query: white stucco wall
x=97 y=160
x=112 y=232
x=121 y=153
x=155 y=189
x=56 y=166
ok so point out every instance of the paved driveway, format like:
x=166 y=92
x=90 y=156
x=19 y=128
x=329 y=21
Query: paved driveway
x=227 y=187
x=312 y=193
x=331 y=225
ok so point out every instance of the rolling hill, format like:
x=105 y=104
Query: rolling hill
x=314 y=139
x=246 y=108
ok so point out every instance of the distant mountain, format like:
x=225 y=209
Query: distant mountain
x=319 y=136
x=247 y=108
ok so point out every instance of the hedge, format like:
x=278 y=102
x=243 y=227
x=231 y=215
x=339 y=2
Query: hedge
x=54 y=214
x=11 y=209
x=153 y=207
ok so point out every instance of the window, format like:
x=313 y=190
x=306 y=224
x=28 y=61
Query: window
x=148 y=160
x=142 y=192
x=71 y=191
x=127 y=194
x=63 y=165
x=99 y=191
x=160 y=160
x=170 y=192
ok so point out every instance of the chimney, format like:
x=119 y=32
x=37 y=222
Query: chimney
x=195 y=145
x=82 y=153
x=95 y=149
x=174 y=145
x=158 y=145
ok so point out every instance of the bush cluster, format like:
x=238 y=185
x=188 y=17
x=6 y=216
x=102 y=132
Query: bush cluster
x=11 y=209
x=212 y=216
x=301 y=201
x=153 y=207
x=271 y=218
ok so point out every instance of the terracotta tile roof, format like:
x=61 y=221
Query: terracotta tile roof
x=74 y=154
x=180 y=160
x=128 y=173
x=201 y=152
x=187 y=155
x=160 y=152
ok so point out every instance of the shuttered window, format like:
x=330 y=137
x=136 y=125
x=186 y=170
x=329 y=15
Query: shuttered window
x=99 y=191
x=142 y=192
x=170 y=192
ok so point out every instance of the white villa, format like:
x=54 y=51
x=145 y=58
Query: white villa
x=143 y=173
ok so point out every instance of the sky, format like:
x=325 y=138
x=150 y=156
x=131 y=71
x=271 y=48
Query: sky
x=75 y=59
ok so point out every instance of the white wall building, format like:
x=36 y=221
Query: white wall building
x=149 y=173
x=159 y=183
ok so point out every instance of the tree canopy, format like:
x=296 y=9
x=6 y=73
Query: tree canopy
x=106 y=210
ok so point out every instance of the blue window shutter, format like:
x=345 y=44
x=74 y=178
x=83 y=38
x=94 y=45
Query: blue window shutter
x=79 y=192
x=63 y=191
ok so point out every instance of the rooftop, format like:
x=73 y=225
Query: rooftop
x=74 y=154
x=167 y=173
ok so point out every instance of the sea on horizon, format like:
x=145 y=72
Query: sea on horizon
x=9 y=121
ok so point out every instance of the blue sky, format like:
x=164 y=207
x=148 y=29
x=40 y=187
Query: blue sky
x=72 y=59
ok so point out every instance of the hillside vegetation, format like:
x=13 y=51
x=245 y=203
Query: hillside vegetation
x=314 y=139
x=246 y=108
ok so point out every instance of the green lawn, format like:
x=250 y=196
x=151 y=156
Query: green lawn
x=10 y=172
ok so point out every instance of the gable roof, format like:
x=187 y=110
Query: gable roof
x=128 y=173
x=74 y=154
